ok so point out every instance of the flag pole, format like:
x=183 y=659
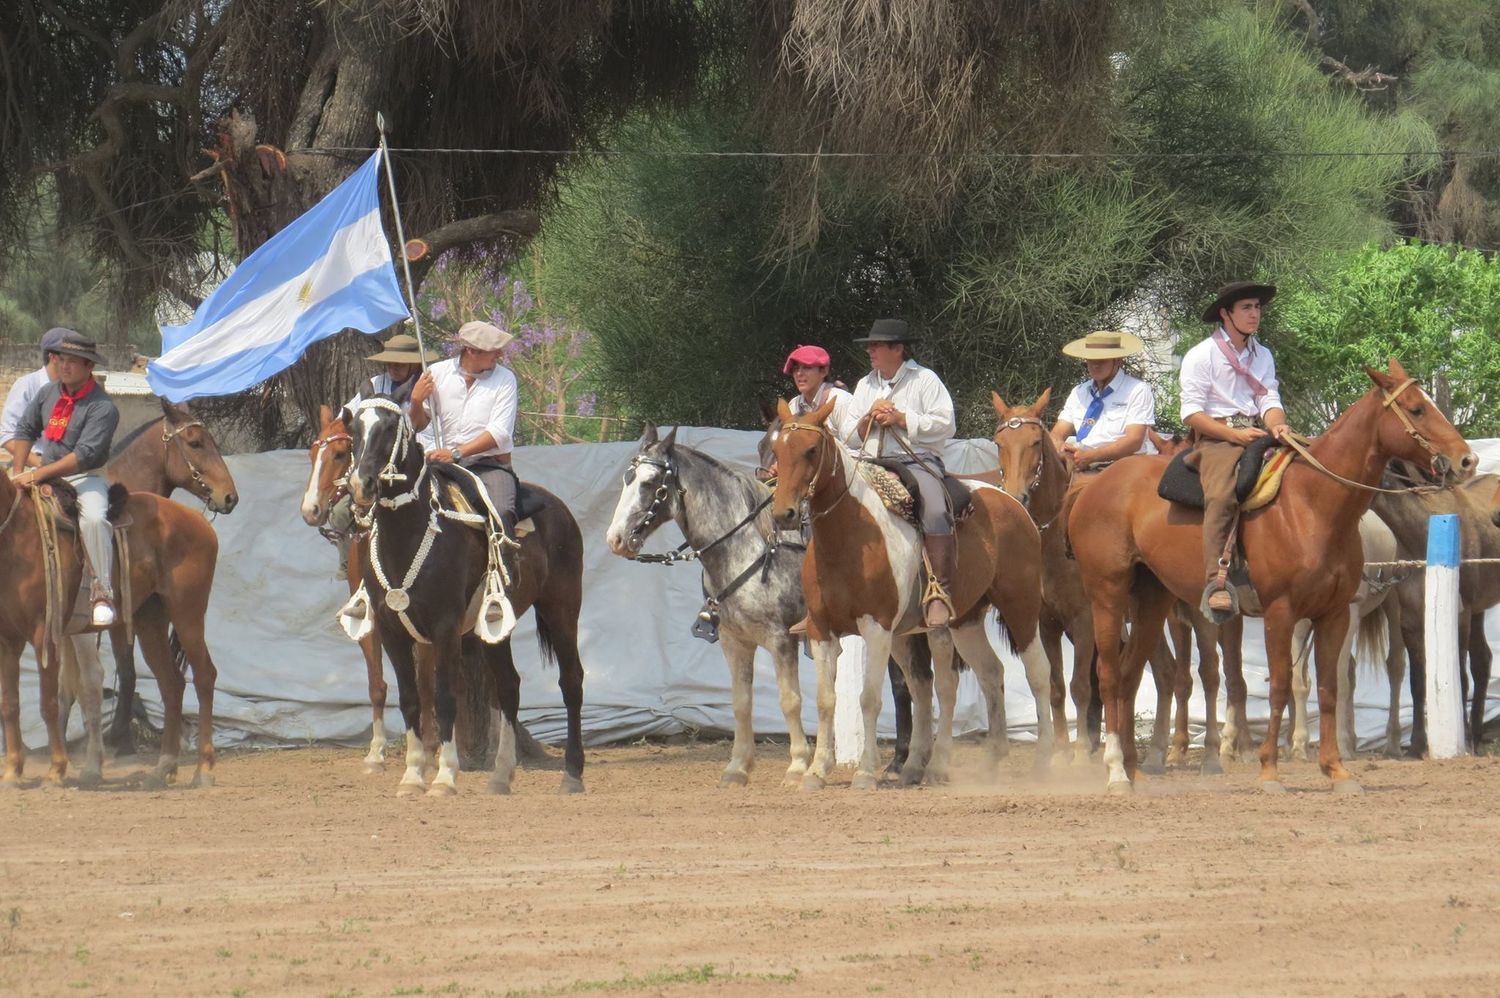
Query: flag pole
x=411 y=291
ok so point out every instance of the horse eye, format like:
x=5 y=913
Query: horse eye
x=1419 y=410
x=196 y=445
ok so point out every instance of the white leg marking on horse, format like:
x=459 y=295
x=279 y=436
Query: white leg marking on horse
x=505 y=757
x=416 y=759
x=1114 y=759
x=91 y=698
x=446 y=780
x=1039 y=678
x=375 y=758
x=826 y=655
x=877 y=653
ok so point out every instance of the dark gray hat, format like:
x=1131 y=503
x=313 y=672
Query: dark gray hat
x=52 y=337
x=889 y=331
x=74 y=345
x=1237 y=291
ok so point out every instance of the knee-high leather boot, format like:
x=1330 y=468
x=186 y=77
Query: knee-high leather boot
x=942 y=555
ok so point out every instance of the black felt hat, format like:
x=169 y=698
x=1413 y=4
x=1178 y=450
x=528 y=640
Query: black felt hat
x=889 y=331
x=1238 y=291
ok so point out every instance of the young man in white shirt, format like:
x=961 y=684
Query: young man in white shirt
x=1106 y=417
x=27 y=386
x=1229 y=398
x=476 y=400
x=902 y=401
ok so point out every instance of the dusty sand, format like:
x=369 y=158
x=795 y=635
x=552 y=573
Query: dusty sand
x=300 y=875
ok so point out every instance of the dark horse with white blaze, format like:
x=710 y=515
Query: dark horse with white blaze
x=438 y=565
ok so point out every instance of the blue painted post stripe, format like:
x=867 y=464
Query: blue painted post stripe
x=1442 y=541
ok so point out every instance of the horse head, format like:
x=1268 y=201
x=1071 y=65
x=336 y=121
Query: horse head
x=1168 y=444
x=1024 y=445
x=765 y=454
x=330 y=457
x=1495 y=508
x=648 y=496
x=384 y=456
x=193 y=460
x=806 y=456
x=1413 y=429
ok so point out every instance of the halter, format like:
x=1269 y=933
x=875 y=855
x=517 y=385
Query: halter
x=169 y=433
x=1406 y=423
x=340 y=485
x=670 y=482
x=392 y=473
x=1015 y=423
x=823 y=460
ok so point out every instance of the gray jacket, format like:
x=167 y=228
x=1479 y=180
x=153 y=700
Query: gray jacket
x=90 y=431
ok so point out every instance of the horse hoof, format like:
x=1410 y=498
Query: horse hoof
x=812 y=782
x=936 y=777
x=864 y=781
x=498 y=787
x=154 y=781
x=410 y=790
x=373 y=766
x=1349 y=787
x=571 y=785
x=1273 y=787
x=734 y=778
x=1154 y=765
x=1211 y=766
x=203 y=781
x=911 y=777
x=1082 y=758
x=442 y=790
x=90 y=779
x=1120 y=788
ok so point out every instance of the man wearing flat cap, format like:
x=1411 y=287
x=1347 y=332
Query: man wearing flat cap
x=900 y=401
x=476 y=399
x=1106 y=417
x=73 y=421
x=1229 y=398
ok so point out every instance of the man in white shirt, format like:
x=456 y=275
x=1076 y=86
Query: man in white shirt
x=27 y=386
x=1106 y=417
x=902 y=401
x=1229 y=398
x=475 y=401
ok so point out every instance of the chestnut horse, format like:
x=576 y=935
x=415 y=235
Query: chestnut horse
x=160 y=457
x=863 y=575
x=1303 y=552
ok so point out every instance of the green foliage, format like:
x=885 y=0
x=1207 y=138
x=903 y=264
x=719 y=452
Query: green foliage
x=1436 y=309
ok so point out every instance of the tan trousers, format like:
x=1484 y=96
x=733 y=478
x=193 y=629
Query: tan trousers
x=1217 y=461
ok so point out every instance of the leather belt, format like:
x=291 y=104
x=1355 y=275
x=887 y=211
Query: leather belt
x=1238 y=421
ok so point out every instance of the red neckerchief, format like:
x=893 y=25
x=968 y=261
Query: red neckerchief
x=62 y=410
x=1257 y=390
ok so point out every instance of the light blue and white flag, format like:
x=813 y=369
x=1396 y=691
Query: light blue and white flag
x=329 y=270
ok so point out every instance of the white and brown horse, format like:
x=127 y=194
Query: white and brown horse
x=863 y=575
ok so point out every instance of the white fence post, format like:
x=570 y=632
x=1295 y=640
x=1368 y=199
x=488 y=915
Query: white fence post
x=1445 y=702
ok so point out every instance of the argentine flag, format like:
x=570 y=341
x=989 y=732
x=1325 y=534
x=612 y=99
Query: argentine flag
x=329 y=270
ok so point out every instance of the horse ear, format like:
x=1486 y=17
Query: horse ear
x=784 y=412
x=648 y=435
x=401 y=394
x=670 y=439
x=1381 y=378
x=172 y=410
x=767 y=411
x=820 y=415
x=346 y=417
x=1001 y=409
x=1398 y=373
x=325 y=416
x=1040 y=405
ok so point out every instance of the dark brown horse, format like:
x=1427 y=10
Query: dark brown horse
x=1303 y=552
x=164 y=455
x=433 y=567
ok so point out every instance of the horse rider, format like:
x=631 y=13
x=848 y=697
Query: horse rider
x=27 y=385
x=902 y=412
x=1106 y=417
x=402 y=358
x=476 y=401
x=73 y=420
x=809 y=367
x=1229 y=399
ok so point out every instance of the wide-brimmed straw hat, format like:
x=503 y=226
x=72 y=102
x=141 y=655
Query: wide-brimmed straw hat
x=75 y=345
x=1237 y=291
x=889 y=331
x=399 y=349
x=483 y=336
x=1104 y=344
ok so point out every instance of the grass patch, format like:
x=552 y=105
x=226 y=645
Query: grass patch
x=702 y=974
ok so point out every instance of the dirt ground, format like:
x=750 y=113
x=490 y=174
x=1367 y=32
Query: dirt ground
x=298 y=874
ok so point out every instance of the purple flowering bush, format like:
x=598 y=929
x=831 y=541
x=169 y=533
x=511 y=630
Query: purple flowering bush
x=547 y=354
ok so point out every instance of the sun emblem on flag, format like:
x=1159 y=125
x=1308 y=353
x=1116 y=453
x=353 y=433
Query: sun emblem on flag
x=304 y=294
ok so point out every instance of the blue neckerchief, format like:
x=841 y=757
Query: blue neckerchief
x=1091 y=415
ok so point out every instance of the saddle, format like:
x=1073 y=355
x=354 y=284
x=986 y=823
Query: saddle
x=465 y=494
x=1180 y=482
x=897 y=487
x=57 y=510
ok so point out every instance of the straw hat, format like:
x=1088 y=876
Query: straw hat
x=399 y=349
x=1104 y=344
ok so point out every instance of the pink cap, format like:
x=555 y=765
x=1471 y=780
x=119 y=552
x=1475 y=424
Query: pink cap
x=809 y=356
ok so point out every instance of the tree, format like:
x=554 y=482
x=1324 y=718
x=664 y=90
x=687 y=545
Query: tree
x=1434 y=308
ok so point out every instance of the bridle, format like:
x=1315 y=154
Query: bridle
x=824 y=458
x=340 y=485
x=169 y=434
x=670 y=484
x=1015 y=423
x=1299 y=445
x=392 y=472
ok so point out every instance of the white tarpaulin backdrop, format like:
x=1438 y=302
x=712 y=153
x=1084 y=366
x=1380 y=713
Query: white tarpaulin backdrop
x=288 y=675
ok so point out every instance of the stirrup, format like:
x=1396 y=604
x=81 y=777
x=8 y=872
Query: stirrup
x=936 y=594
x=1220 y=604
x=103 y=614
x=356 y=616
x=800 y=627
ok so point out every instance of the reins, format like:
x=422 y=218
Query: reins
x=1299 y=443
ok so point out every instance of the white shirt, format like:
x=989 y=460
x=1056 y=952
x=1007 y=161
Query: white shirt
x=1210 y=385
x=21 y=394
x=384 y=386
x=468 y=409
x=838 y=422
x=1129 y=403
x=917 y=392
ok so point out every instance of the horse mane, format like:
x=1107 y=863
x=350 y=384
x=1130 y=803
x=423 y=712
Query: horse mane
x=123 y=444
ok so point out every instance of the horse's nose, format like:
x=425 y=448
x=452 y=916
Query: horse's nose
x=784 y=518
x=1469 y=464
x=231 y=501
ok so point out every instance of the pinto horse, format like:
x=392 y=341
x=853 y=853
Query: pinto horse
x=438 y=565
x=863 y=575
x=1303 y=552
x=174 y=452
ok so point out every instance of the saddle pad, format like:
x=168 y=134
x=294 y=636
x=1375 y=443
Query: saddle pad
x=890 y=489
x=1180 y=483
x=960 y=500
x=1268 y=484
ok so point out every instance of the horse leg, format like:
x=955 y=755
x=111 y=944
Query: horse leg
x=1329 y=633
x=901 y=695
x=1344 y=716
x=826 y=656
x=1081 y=686
x=1038 y=677
x=120 y=737
x=10 y=711
x=1395 y=672
x=401 y=650
x=570 y=683
x=1480 y=658
x=1182 y=688
x=190 y=638
x=151 y=631
x=974 y=645
x=446 y=653
x=1205 y=636
x=740 y=655
x=1237 y=743
x=877 y=652
x=1302 y=645
x=1416 y=656
x=789 y=686
x=507 y=695
x=916 y=657
x=1050 y=632
x=1110 y=596
x=1164 y=675
x=375 y=677
x=83 y=677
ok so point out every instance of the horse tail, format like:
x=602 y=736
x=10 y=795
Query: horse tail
x=544 y=640
x=1373 y=641
x=179 y=656
x=1005 y=635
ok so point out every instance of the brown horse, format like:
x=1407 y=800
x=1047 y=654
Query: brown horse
x=164 y=455
x=862 y=575
x=1303 y=552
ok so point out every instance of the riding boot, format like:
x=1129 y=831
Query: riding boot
x=937 y=601
x=343 y=548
